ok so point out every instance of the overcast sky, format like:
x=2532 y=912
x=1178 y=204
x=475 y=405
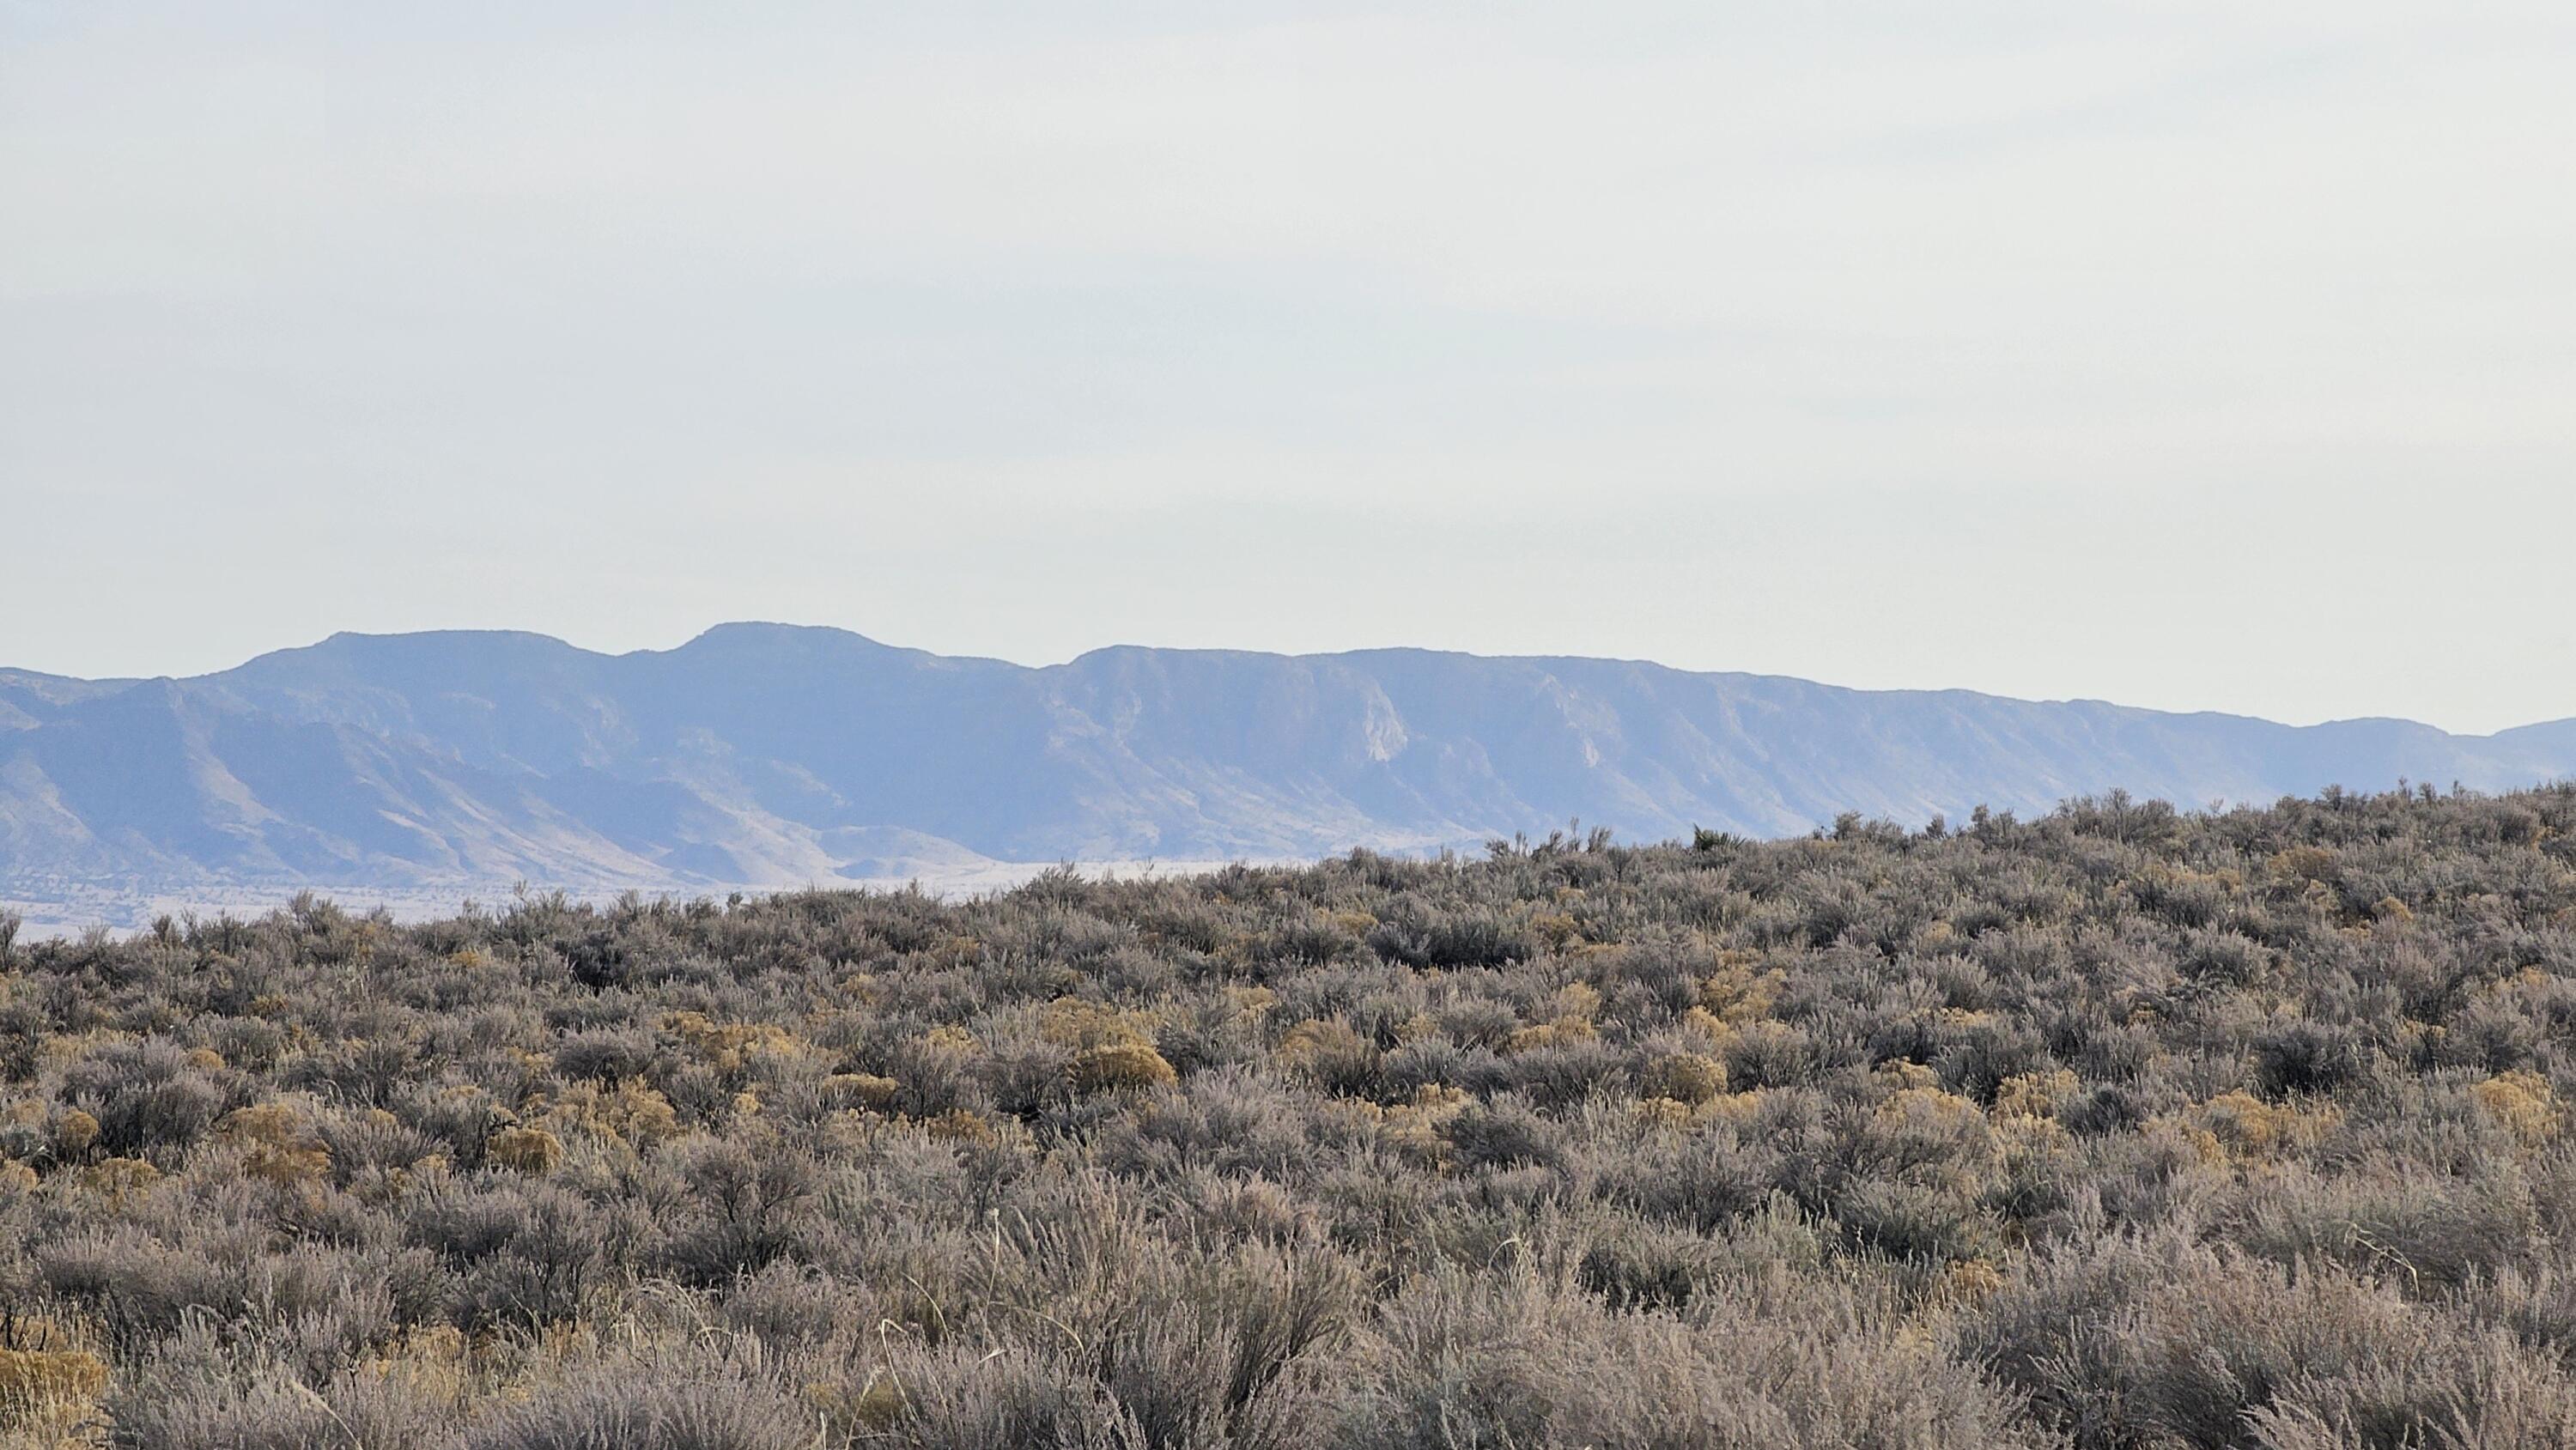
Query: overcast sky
x=2203 y=356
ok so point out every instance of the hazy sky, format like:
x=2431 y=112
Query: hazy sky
x=2191 y=355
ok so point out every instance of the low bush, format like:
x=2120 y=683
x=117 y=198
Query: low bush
x=2119 y=1127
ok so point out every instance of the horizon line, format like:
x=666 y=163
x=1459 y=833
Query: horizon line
x=1343 y=653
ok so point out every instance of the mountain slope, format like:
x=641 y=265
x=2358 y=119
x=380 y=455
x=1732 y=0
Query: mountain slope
x=769 y=754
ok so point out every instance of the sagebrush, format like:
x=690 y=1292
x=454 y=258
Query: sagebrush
x=2121 y=1127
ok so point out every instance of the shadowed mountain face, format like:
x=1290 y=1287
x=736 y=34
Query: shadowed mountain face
x=771 y=755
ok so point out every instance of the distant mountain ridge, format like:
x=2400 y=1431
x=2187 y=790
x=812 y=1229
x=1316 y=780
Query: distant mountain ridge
x=780 y=755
